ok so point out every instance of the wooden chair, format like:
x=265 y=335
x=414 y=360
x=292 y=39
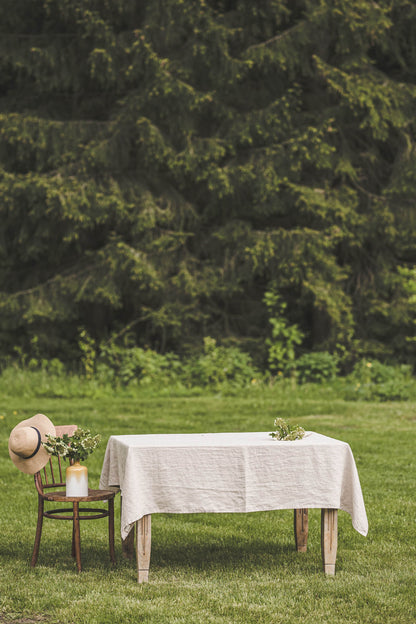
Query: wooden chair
x=47 y=481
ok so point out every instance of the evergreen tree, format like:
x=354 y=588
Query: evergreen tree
x=165 y=164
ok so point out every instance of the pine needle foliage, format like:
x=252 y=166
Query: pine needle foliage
x=165 y=164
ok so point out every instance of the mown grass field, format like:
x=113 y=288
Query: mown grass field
x=231 y=568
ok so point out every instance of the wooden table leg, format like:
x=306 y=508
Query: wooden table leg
x=301 y=526
x=127 y=545
x=143 y=546
x=329 y=539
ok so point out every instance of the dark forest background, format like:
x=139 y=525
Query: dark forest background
x=181 y=169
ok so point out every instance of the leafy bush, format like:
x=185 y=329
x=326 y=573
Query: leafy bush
x=218 y=365
x=375 y=381
x=316 y=367
x=121 y=365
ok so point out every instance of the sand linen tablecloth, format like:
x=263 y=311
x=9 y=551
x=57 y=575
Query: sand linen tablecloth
x=231 y=472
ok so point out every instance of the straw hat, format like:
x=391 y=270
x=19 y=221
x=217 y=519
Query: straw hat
x=25 y=448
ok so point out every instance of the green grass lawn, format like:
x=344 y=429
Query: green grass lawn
x=231 y=568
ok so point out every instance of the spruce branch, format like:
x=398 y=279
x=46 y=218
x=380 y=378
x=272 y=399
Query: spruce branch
x=282 y=35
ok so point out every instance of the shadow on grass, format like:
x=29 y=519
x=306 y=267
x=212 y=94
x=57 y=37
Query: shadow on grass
x=208 y=555
x=56 y=554
x=199 y=542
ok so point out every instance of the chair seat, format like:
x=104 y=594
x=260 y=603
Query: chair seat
x=93 y=495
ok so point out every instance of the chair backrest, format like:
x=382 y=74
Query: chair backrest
x=53 y=474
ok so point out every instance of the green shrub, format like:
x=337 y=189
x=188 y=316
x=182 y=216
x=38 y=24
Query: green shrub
x=316 y=367
x=218 y=365
x=123 y=366
x=375 y=381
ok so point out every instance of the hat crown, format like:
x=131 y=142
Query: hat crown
x=24 y=441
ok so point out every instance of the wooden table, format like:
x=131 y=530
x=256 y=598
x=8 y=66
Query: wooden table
x=232 y=472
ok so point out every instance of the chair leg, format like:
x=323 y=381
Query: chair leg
x=73 y=540
x=38 y=533
x=76 y=535
x=111 y=529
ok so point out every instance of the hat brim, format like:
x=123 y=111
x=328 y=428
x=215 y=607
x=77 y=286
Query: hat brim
x=38 y=461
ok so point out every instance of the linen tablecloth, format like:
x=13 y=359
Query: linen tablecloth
x=231 y=472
